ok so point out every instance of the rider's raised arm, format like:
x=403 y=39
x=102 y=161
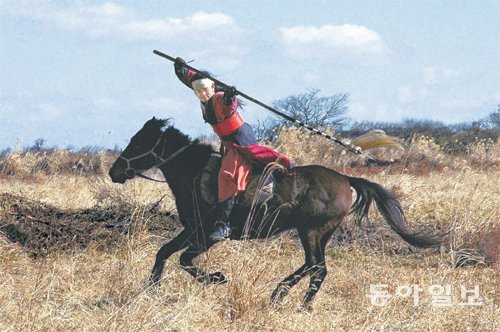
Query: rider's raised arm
x=184 y=74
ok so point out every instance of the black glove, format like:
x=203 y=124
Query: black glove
x=179 y=65
x=179 y=62
x=230 y=91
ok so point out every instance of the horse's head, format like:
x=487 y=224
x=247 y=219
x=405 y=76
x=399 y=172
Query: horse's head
x=149 y=147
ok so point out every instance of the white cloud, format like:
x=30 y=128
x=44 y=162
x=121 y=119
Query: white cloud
x=347 y=37
x=434 y=75
x=202 y=20
x=111 y=19
x=108 y=9
x=496 y=98
x=43 y=113
x=430 y=75
x=312 y=77
x=48 y=111
x=154 y=28
x=105 y=103
x=464 y=103
x=358 y=110
x=173 y=26
x=409 y=94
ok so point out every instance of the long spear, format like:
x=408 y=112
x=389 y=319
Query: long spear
x=348 y=146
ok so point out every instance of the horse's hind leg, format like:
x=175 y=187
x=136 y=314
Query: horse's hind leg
x=287 y=283
x=176 y=244
x=186 y=261
x=314 y=242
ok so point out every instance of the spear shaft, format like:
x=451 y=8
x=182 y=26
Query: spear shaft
x=350 y=147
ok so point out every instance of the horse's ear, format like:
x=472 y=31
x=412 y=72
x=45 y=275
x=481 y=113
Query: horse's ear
x=154 y=118
x=165 y=125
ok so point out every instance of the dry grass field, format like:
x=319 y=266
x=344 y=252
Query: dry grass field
x=95 y=281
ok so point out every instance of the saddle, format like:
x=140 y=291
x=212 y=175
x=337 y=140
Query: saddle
x=259 y=189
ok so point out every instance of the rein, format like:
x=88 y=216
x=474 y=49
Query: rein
x=131 y=172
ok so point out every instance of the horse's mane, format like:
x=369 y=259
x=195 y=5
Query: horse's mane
x=168 y=129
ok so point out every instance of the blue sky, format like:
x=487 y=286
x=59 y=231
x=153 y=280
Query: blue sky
x=80 y=73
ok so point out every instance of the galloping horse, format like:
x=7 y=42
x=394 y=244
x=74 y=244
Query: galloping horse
x=311 y=199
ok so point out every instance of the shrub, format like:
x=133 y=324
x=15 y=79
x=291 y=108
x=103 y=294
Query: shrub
x=47 y=162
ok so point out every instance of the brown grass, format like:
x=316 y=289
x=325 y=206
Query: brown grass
x=29 y=164
x=420 y=156
x=99 y=287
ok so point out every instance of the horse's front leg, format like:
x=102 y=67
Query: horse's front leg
x=186 y=261
x=176 y=244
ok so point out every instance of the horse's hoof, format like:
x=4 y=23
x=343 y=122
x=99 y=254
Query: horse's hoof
x=217 y=278
x=275 y=307
x=275 y=304
x=305 y=308
x=279 y=293
x=212 y=278
x=151 y=285
x=275 y=299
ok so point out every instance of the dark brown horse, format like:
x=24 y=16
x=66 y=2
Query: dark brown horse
x=312 y=199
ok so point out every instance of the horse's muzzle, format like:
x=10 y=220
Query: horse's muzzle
x=117 y=174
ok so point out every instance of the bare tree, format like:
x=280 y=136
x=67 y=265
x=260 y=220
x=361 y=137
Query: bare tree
x=309 y=108
x=493 y=119
x=266 y=129
x=316 y=111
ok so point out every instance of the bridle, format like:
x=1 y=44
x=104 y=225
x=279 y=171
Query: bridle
x=131 y=172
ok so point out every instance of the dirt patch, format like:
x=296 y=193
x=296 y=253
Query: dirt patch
x=489 y=246
x=41 y=228
x=483 y=249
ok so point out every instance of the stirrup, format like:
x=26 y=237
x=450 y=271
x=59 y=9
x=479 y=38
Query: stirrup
x=222 y=231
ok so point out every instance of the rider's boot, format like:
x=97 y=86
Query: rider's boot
x=222 y=227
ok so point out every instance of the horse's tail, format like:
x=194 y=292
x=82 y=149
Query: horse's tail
x=390 y=207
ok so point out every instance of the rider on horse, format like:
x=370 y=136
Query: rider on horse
x=240 y=148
